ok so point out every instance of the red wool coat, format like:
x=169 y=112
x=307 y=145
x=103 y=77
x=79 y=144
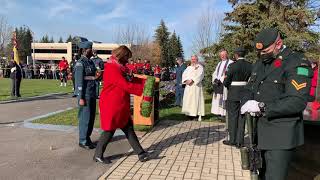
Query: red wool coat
x=314 y=82
x=115 y=96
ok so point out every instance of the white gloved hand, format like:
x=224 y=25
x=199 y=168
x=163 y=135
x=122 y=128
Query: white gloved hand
x=13 y=69
x=251 y=106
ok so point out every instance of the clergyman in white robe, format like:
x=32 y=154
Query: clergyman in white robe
x=218 y=100
x=193 y=99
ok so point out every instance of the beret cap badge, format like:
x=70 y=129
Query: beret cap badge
x=259 y=46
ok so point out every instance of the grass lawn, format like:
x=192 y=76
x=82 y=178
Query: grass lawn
x=70 y=118
x=33 y=87
x=174 y=113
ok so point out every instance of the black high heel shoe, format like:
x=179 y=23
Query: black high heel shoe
x=101 y=160
x=143 y=157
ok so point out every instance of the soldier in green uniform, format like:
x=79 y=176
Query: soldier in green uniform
x=85 y=84
x=277 y=94
x=235 y=80
x=100 y=67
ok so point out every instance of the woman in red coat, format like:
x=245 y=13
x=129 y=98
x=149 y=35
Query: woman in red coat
x=115 y=104
x=314 y=80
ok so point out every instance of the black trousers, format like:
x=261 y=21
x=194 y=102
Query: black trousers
x=106 y=137
x=15 y=87
x=236 y=123
x=63 y=75
x=275 y=164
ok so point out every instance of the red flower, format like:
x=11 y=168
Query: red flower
x=277 y=63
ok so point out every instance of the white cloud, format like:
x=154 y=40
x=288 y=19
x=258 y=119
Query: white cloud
x=60 y=8
x=120 y=10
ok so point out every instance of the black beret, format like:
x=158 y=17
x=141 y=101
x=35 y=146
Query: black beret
x=240 y=50
x=265 y=38
x=85 y=45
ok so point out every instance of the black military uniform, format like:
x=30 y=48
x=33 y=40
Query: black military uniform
x=85 y=71
x=100 y=67
x=16 y=76
x=280 y=84
x=235 y=80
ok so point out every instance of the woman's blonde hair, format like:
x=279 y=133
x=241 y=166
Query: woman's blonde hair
x=121 y=52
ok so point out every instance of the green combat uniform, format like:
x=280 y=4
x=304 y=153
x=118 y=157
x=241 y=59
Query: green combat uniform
x=85 y=71
x=100 y=67
x=236 y=78
x=281 y=85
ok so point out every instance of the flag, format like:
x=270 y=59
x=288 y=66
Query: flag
x=16 y=57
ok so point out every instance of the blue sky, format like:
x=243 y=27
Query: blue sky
x=99 y=19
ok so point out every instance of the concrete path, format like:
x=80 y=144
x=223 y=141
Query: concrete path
x=20 y=111
x=183 y=150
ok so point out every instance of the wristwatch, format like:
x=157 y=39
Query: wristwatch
x=262 y=107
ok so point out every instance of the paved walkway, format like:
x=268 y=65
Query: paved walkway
x=183 y=150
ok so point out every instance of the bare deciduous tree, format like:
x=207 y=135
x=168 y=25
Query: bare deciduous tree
x=5 y=34
x=138 y=37
x=208 y=30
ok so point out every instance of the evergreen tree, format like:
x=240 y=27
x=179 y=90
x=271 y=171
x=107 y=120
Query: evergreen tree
x=45 y=39
x=294 y=19
x=69 y=39
x=175 y=48
x=162 y=38
x=181 y=53
x=51 y=40
x=60 y=40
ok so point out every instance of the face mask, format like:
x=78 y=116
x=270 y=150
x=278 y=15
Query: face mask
x=267 y=58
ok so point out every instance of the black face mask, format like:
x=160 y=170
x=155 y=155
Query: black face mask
x=267 y=58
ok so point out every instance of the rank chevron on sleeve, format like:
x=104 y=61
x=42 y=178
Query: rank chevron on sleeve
x=298 y=86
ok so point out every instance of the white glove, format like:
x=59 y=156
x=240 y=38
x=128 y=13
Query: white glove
x=13 y=69
x=251 y=106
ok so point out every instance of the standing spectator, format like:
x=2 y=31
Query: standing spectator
x=132 y=67
x=98 y=62
x=139 y=66
x=72 y=68
x=157 y=71
x=54 y=71
x=16 y=76
x=314 y=81
x=42 y=72
x=63 y=67
x=193 y=99
x=179 y=85
x=146 y=67
x=219 y=97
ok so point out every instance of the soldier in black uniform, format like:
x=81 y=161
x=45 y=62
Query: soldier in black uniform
x=85 y=84
x=235 y=80
x=16 y=76
x=100 y=67
x=277 y=94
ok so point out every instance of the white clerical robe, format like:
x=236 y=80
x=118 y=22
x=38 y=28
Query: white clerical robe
x=217 y=99
x=193 y=99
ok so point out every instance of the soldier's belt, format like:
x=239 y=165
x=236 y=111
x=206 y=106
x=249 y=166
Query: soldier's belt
x=238 y=83
x=89 y=78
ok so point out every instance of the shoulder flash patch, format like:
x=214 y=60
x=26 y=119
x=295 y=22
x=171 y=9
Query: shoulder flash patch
x=302 y=71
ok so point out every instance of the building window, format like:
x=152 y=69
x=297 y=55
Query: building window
x=55 y=51
x=104 y=52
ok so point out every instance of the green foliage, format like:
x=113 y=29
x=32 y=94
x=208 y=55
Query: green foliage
x=69 y=39
x=294 y=18
x=146 y=107
x=51 y=40
x=45 y=39
x=162 y=38
x=60 y=40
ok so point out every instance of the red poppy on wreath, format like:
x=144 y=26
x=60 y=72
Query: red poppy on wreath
x=277 y=63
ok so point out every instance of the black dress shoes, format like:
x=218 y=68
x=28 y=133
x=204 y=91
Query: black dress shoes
x=101 y=160
x=143 y=157
x=228 y=143
x=87 y=146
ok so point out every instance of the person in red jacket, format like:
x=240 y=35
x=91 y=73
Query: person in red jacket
x=63 y=67
x=314 y=80
x=115 y=104
x=132 y=67
x=157 y=71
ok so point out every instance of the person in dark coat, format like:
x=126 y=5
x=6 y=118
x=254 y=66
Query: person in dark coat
x=85 y=84
x=277 y=94
x=16 y=76
x=98 y=62
x=179 y=86
x=235 y=80
x=114 y=104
